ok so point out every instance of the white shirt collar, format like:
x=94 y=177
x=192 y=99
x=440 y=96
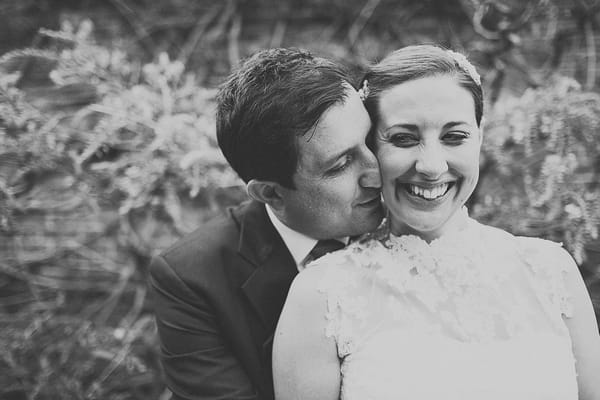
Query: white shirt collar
x=297 y=243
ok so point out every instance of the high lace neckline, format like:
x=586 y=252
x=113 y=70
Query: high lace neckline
x=458 y=248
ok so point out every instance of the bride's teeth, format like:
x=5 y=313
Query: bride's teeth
x=429 y=194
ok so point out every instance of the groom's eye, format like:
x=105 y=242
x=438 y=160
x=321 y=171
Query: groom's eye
x=340 y=165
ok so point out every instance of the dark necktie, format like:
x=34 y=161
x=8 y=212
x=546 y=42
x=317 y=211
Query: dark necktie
x=325 y=246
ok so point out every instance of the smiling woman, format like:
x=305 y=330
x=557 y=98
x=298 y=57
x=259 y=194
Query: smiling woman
x=434 y=304
x=428 y=144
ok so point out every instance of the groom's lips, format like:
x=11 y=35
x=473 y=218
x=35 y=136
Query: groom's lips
x=370 y=203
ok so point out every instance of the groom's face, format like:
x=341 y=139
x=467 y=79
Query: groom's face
x=337 y=180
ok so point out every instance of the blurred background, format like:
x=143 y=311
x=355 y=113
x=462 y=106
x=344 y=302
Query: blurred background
x=108 y=151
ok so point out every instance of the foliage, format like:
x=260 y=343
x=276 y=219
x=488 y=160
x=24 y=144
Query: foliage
x=149 y=133
x=540 y=171
x=85 y=131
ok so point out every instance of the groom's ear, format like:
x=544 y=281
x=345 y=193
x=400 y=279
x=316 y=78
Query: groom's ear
x=266 y=192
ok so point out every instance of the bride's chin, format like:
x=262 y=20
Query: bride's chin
x=408 y=228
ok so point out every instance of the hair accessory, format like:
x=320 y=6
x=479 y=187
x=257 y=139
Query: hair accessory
x=363 y=92
x=466 y=66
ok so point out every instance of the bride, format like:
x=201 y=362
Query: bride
x=435 y=305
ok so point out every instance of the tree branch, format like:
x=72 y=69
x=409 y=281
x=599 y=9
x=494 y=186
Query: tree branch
x=361 y=20
x=142 y=35
x=234 y=39
x=590 y=78
x=196 y=35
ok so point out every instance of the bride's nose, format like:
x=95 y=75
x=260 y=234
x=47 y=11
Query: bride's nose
x=431 y=161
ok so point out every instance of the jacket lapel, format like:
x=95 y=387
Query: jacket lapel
x=267 y=286
x=263 y=270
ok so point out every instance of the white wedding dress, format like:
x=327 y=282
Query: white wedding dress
x=474 y=315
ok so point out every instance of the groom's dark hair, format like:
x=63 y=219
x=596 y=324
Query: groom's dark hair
x=272 y=99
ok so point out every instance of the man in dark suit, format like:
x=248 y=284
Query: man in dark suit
x=295 y=131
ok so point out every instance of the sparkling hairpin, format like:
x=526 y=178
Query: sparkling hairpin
x=363 y=92
x=466 y=66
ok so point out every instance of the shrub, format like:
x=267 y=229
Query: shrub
x=100 y=159
x=541 y=165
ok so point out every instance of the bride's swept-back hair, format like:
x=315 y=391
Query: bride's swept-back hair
x=414 y=62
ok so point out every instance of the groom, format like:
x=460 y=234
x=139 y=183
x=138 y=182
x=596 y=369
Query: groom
x=294 y=130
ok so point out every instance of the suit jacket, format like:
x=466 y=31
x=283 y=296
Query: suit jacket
x=217 y=295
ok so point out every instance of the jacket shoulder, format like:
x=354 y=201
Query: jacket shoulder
x=206 y=239
x=201 y=255
x=200 y=249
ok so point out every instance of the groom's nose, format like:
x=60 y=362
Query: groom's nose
x=370 y=177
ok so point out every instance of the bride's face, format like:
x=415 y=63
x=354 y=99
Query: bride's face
x=428 y=145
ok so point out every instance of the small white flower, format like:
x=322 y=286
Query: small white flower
x=363 y=92
x=573 y=210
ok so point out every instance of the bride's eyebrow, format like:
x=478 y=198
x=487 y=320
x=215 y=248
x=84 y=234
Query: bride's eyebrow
x=452 y=124
x=409 y=127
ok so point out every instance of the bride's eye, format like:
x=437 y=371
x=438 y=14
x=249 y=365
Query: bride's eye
x=455 y=138
x=403 y=139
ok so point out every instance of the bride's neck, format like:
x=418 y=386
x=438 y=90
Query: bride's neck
x=456 y=222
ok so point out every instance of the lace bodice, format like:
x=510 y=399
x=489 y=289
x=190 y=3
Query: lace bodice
x=475 y=314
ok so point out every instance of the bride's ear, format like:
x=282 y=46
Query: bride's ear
x=266 y=192
x=481 y=129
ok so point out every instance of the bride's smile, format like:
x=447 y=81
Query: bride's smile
x=429 y=193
